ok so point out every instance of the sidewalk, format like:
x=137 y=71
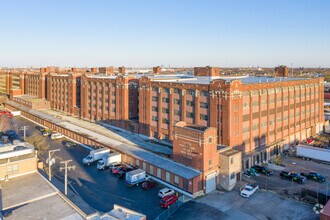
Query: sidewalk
x=113 y=132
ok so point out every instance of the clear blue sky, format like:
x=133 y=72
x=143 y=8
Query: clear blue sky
x=165 y=32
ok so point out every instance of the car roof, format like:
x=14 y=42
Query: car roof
x=164 y=190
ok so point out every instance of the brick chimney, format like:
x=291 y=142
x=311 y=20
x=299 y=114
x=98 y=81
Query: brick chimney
x=157 y=70
x=282 y=71
x=106 y=70
x=122 y=70
x=207 y=71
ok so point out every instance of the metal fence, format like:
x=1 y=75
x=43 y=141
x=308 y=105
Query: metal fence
x=168 y=212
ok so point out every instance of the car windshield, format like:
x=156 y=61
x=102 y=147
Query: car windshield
x=248 y=188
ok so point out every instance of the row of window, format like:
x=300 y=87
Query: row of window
x=188 y=115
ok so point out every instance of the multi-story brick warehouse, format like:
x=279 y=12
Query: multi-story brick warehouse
x=63 y=92
x=109 y=98
x=254 y=114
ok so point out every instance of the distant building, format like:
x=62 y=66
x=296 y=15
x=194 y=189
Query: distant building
x=281 y=71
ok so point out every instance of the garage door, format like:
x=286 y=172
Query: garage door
x=211 y=180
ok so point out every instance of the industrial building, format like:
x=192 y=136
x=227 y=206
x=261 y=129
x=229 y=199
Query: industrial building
x=256 y=116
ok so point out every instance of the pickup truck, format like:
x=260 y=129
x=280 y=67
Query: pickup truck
x=314 y=176
x=294 y=177
x=248 y=190
x=263 y=170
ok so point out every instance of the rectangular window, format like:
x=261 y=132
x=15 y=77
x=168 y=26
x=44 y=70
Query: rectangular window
x=166 y=90
x=177 y=112
x=190 y=103
x=177 y=91
x=165 y=100
x=204 y=117
x=190 y=115
x=155 y=98
x=154 y=118
x=165 y=121
x=12 y=169
x=137 y=163
x=190 y=92
x=165 y=110
x=176 y=179
x=168 y=177
x=204 y=105
x=159 y=173
x=177 y=101
x=151 y=170
x=154 y=108
x=144 y=165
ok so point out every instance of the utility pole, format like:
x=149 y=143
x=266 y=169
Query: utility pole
x=50 y=162
x=24 y=131
x=66 y=168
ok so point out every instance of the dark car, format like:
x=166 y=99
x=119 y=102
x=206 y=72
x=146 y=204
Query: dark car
x=39 y=128
x=11 y=134
x=148 y=184
x=69 y=144
x=263 y=170
x=314 y=176
x=123 y=171
x=294 y=177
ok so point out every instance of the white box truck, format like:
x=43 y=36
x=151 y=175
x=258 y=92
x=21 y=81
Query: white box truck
x=315 y=153
x=15 y=113
x=105 y=162
x=96 y=155
x=135 y=177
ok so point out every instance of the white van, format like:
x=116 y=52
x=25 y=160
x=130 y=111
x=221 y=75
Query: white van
x=55 y=136
x=165 y=192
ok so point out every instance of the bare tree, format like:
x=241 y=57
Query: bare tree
x=39 y=142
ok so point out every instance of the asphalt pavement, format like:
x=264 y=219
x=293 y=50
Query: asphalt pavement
x=100 y=189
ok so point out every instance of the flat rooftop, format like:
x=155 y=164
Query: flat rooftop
x=161 y=162
x=190 y=79
x=31 y=197
x=29 y=98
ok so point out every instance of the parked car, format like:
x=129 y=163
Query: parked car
x=248 y=190
x=168 y=200
x=114 y=166
x=69 y=144
x=46 y=133
x=117 y=169
x=55 y=136
x=123 y=171
x=148 y=184
x=4 y=112
x=39 y=128
x=263 y=170
x=165 y=192
x=314 y=176
x=294 y=177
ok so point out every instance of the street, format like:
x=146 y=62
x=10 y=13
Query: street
x=100 y=189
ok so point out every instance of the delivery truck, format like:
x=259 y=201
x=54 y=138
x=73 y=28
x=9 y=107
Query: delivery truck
x=96 y=155
x=135 y=177
x=315 y=153
x=105 y=162
x=15 y=113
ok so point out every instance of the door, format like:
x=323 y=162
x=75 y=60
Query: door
x=211 y=180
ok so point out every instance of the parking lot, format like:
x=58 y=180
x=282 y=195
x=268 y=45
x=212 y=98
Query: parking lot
x=230 y=205
x=293 y=189
x=100 y=189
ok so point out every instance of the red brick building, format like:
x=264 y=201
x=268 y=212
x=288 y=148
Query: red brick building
x=109 y=98
x=63 y=92
x=257 y=115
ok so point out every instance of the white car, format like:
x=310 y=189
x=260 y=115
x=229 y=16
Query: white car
x=55 y=136
x=165 y=192
x=248 y=190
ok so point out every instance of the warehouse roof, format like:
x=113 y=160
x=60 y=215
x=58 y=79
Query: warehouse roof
x=158 y=161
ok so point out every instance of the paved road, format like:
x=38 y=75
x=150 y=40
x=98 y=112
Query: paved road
x=100 y=189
